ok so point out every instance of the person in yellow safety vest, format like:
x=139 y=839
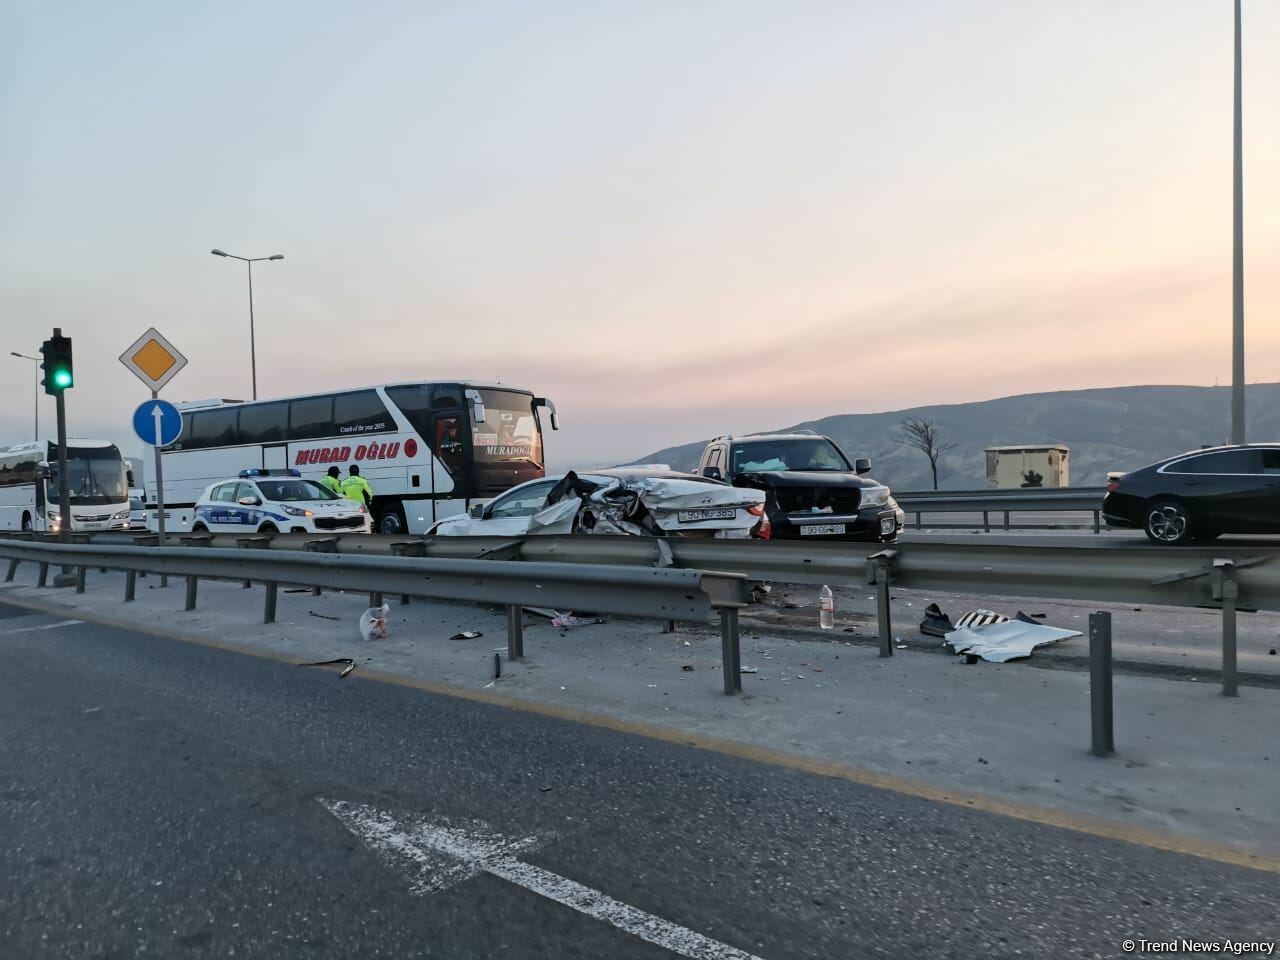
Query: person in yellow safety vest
x=356 y=487
x=333 y=481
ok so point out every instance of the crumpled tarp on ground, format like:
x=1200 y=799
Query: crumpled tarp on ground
x=999 y=642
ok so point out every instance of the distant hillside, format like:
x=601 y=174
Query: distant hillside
x=1116 y=428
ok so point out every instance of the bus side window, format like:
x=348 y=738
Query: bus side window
x=264 y=423
x=311 y=418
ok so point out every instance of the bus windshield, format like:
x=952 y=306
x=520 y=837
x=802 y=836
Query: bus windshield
x=95 y=475
x=510 y=430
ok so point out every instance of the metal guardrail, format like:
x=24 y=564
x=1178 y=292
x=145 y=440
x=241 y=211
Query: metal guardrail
x=635 y=576
x=651 y=593
x=987 y=502
x=1222 y=576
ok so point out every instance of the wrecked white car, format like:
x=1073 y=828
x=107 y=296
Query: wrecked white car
x=638 y=502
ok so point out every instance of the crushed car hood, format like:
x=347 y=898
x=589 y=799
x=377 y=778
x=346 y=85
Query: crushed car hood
x=644 y=506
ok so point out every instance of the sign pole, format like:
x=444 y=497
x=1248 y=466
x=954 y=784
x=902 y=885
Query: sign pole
x=164 y=580
x=155 y=361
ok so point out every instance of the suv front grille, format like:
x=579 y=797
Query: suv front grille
x=817 y=499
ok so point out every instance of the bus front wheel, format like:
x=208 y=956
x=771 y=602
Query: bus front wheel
x=26 y=523
x=391 y=520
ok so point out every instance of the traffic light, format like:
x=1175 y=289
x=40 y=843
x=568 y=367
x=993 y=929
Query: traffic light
x=58 y=372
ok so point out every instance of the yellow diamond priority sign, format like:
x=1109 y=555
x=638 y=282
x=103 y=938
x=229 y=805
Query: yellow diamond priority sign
x=153 y=359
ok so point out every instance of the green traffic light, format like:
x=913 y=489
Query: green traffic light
x=62 y=379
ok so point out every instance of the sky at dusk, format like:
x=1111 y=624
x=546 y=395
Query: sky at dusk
x=675 y=219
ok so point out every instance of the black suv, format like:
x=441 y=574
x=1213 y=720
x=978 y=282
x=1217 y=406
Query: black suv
x=812 y=490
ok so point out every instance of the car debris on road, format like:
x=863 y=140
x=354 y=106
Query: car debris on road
x=990 y=636
x=348 y=663
x=1007 y=640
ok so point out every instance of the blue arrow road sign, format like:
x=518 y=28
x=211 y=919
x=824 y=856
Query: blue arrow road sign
x=157 y=422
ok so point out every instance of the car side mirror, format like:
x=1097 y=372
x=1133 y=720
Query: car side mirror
x=712 y=473
x=249 y=501
x=43 y=471
x=476 y=512
x=862 y=465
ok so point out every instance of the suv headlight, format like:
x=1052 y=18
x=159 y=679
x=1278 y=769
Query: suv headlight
x=296 y=511
x=875 y=496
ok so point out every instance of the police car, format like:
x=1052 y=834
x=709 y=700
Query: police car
x=276 y=501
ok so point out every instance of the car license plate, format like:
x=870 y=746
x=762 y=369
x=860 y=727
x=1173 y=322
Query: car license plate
x=720 y=513
x=821 y=529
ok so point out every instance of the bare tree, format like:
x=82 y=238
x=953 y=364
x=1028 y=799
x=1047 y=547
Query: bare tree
x=925 y=436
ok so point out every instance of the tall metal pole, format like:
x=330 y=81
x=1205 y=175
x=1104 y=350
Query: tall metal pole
x=253 y=350
x=36 y=384
x=1237 y=266
x=164 y=578
x=64 y=482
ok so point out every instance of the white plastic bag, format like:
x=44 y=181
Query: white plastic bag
x=373 y=623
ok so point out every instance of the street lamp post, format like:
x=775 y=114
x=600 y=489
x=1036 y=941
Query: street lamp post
x=15 y=353
x=253 y=350
x=1237 y=263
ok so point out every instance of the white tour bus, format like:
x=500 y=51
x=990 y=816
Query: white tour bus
x=96 y=475
x=428 y=450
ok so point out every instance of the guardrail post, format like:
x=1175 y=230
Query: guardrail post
x=919 y=523
x=408 y=548
x=1100 y=683
x=730 y=650
x=130 y=584
x=883 y=576
x=269 y=603
x=1097 y=521
x=375 y=599
x=43 y=578
x=256 y=542
x=1006 y=519
x=191 y=593
x=327 y=545
x=515 y=632
x=986 y=522
x=146 y=540
x=80 y=575
x=13 y=569
x=1227 y=590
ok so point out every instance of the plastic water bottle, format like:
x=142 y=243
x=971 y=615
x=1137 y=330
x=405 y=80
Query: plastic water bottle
x=826 y=608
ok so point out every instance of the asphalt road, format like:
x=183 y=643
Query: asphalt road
x=164 y=799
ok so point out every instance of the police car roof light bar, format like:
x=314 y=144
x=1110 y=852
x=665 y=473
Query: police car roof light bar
x=259 y=472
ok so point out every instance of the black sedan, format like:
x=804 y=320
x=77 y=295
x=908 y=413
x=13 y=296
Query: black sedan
x=1200 y=494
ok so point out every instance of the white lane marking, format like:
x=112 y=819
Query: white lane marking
x=46 y=626
x=440 y=855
